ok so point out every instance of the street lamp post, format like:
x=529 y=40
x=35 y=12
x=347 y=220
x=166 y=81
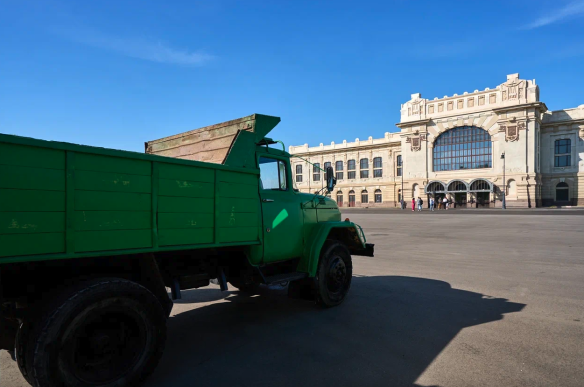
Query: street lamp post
x=504 y=206
x=401 y=163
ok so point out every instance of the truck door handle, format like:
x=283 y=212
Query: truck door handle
x=267 y=200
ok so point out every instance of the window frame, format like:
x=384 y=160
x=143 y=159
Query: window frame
x=364 y=195
x=316 y=172
x=279 y=162
x=563 y=154
x=364 y=171
x=462 y=148
x=399 y=165
x=377 y=194
x=351 y=172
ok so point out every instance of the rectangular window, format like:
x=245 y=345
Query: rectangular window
x=339 y=170
x=339 y=175
x=316 y=172
x=563 y=150
x=563 y=161
x=351 y=169
x=431 y=109
x=273 y=174
x=492 y=98
x=326 y=165
x=460 y=104
x=364 y=168
x=398 y=163
x=377 y=167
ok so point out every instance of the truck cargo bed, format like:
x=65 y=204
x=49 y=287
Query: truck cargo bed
x=60 y=200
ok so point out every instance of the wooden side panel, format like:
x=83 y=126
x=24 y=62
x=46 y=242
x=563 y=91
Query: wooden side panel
x=112 y=240
x=32 y=200
x=238 y=208
x=186 y=205
x=112 y=203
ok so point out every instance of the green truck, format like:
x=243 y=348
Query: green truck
x=91 y=239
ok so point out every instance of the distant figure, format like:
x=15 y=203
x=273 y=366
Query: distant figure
x=420 y=203
x=431 y=204
x=445 y=201
x=413 y=204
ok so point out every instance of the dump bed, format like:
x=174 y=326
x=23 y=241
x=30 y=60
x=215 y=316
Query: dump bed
x=230 y=143
x=60 y=200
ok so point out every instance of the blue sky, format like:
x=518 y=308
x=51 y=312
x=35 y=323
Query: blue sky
x=118 y=73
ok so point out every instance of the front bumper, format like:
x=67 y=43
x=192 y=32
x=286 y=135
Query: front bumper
x=367 y=251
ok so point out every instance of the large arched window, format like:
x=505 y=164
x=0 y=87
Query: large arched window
x=465 y=147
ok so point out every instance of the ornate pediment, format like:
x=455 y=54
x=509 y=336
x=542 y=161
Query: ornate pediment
x=514 y=89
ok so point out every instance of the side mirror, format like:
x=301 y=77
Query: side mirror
x=330 y=179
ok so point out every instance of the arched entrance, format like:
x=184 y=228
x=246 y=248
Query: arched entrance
x=459 y=191
x=351 y=198
x=340 y=198
x=480 y=191
x=437 y=190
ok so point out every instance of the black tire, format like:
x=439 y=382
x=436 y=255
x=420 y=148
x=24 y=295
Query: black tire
x=20 y=350
x=335 y=271
x=106 y=332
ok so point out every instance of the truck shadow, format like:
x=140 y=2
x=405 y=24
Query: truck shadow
x=387 y=332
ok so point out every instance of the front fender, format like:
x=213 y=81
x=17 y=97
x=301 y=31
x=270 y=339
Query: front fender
x=349 y=233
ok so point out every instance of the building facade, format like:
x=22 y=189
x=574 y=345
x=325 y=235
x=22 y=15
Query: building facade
x=470 y=148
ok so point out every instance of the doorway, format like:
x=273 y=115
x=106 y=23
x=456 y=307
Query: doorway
x=460 y=199
x=483 y=199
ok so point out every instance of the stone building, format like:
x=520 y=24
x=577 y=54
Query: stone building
x=466 y=147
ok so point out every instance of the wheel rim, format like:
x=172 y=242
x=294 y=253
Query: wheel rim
x=104 y=344
x=337 y=275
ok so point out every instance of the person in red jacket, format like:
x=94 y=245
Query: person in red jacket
x=413 y=204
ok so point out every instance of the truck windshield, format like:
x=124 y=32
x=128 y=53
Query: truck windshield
x=272 y=174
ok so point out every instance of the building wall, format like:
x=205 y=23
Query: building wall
x=520 y=126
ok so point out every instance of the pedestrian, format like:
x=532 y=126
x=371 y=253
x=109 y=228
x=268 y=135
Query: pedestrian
x=432 y=204
x=413 y=204
x=445 y=202
x=420 y=203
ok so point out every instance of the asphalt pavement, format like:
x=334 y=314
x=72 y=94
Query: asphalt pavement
x=450 y=299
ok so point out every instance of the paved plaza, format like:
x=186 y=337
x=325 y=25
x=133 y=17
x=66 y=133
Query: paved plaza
x=457 y=298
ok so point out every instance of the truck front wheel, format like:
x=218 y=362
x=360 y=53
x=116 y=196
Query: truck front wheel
x=106 y=332
x=333 y=278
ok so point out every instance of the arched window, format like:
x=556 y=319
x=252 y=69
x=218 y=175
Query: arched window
x=351 y=198
x=377 y=167
x=351 y=169
x=480 y=185
x=339 y=170
x=416 y=190
x=435 y=186
x=378 y=196
x=562 y=192
x=398 y=162
x=562 y=153
x=340 y=198
x=364 y=196
x=465 y=147
x=364 y=168
x=457 y=186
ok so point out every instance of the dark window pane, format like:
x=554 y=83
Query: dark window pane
x=462 y=148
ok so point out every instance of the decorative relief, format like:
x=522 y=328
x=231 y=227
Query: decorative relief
x=416 y=144
x=423 y=136
x=581 y=132
x=512 y=130
x=408 y=140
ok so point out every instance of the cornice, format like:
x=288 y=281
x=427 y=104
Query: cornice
x=412 y=123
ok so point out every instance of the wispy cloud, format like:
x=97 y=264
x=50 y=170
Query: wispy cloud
x=154 y=51
x=571 y=10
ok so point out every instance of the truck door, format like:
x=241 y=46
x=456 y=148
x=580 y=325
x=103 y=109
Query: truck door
x=281 y=212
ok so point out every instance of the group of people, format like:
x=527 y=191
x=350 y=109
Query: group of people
x=418 y=204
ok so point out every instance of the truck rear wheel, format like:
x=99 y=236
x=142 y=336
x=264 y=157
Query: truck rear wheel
x=335 y=271
x=106 y=332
